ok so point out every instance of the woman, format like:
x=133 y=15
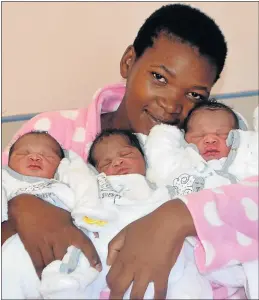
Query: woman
x=173 y=63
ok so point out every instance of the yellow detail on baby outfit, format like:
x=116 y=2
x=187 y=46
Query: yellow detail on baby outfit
x=94 y=222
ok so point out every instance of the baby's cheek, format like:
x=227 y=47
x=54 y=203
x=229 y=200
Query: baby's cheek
x=224 y=148
x=108 y=171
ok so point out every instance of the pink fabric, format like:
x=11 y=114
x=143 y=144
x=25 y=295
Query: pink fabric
x=220 y=292
x=225 y=218
x=104 y=295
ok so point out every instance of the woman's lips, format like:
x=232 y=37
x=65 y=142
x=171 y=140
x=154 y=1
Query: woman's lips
x=159 y=120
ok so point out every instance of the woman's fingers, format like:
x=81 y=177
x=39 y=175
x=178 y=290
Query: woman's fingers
x=81 y=241
x=37 y=259
x=47 y=231
x=60 y=249
x=115 y=246
x=140 y=284
x=145 y=251
x=160 y=285
x=118 y=288
x=47 y=253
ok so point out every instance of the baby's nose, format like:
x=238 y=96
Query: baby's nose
x=34 y=156
x=210 y=139
x=117 y=161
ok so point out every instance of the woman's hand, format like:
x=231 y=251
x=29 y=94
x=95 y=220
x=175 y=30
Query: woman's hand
x=7 y=231
x=47 y=231
x=146 y=250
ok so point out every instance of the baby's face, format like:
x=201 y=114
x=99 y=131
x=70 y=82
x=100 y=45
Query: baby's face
x=115 y=156
x=208 y=130
x=35 y=155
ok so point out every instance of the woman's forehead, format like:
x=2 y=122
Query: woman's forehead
x=180 y=57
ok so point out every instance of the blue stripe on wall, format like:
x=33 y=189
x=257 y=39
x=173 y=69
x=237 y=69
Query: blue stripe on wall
x=236 y=95
x=18 y=118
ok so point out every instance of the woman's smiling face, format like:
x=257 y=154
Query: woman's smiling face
x=163 y=84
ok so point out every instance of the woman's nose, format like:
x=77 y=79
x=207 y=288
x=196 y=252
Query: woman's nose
x=172 y=103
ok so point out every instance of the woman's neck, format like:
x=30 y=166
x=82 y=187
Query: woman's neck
x=116 y=119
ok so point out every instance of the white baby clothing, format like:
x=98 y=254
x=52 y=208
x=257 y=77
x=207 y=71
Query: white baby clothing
x=123 y=200
x=184 y=171
x=19 y=280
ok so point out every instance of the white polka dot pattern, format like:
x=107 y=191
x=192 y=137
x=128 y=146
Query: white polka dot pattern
x=243 y=239
x=210 y=252
x=210 y=214
x=218 y=191
x=69 y=114
x=42 y=124
x=251 y=208
x=79 y=135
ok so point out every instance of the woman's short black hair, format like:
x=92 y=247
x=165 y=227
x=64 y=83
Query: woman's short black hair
x=38 y=132
x=129 y=135
x=211 y=104
x=190 y=26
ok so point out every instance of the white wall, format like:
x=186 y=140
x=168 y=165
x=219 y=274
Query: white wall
x=55 y=55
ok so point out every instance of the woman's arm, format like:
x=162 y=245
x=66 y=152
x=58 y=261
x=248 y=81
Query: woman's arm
x=46 y=231
x=149 y=247
x=7 y=231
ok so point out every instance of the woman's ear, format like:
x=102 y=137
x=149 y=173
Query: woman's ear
x=127 y=61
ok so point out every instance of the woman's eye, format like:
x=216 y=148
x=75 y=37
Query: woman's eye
x=197 y=96
x=159 y=77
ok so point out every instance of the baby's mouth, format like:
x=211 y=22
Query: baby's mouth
x=34 y=167
x=211 y=152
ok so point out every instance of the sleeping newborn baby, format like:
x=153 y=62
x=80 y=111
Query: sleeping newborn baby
x=33 y=162
x=211 y=151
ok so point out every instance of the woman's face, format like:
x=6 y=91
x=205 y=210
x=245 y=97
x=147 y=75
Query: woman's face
x=163 y=84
